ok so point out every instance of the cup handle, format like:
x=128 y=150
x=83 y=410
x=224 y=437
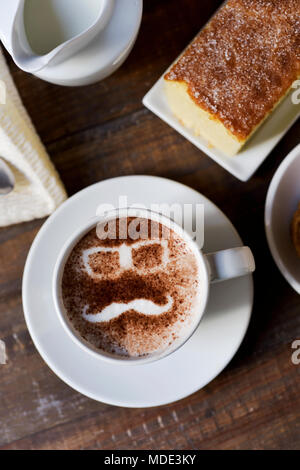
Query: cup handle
x=228 y=264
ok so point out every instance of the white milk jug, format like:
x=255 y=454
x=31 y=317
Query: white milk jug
x=38 y=33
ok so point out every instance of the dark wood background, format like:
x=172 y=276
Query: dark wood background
x=103 y=131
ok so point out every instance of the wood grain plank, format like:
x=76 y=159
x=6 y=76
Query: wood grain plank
x=258 y=413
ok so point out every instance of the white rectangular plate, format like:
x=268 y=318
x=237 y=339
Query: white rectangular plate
x=247 y=161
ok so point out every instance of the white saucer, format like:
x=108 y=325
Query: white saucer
x=105 y=54
x=187 y=370
x=281 y=203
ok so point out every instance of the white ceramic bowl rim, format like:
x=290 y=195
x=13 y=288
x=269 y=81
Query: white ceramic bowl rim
x=271 y=195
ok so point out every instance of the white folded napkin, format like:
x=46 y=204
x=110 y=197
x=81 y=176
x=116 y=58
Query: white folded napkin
x=3 y=357
x=39 y=190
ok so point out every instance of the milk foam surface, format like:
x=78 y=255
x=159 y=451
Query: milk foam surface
x=132 y=297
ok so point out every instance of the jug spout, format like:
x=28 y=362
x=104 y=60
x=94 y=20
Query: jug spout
x=14 y=36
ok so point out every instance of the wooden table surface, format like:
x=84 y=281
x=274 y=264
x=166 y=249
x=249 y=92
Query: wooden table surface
x=103 y=131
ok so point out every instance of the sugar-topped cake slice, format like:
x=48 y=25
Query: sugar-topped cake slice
x=236 y=71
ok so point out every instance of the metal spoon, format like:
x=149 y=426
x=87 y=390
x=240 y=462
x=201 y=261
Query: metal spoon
x=7 y=179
